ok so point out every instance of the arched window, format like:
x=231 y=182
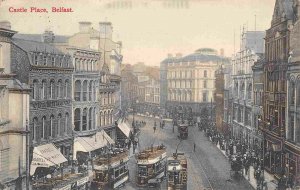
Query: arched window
x=35 y=89
x=34 y=129
x=66 y=126
x=77 y=64
x=249 y=91
x=59 y=89
x=43 y=128
x=84 y=119
x=111 y=116
x=77 y=91
x=77 y=118
x=90 y=90
x=66 y=89
x=94 y=91
x=101 y=119
x=62 y=61
x=292 y=93
x=298 y=95
x=104 y=118
x=43 y=90
x=84 y=91
x=90 y=119
x=59 y=128
x=51 y=89
x=51 y=127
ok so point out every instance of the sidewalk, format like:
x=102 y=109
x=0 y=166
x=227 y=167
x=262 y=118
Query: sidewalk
x=271 y=182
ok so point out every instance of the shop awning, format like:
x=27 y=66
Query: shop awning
x=124 y=127
x=45 y=156
x=88 y=144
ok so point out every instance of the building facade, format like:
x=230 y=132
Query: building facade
x=277 y=49
x=152 y=91
x=292 y=122
x=48 y=71
x=191 y=80
x=129 y=87
x=14 y=115
x=252 y=49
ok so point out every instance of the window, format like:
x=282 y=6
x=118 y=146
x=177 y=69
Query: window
x=61 y=61
x=205 y=84
x=59 y=89
x=77 y=92
x=53 y=61
x=90 y=119
x=43 y=90
x=77 y=118
x=65 y=127
x=43 y=129
x=51 y=89
x=66 y=88
x=90 y=90
x=51 y=126
x=204 y=97
x=36 y=59
x=34 y=129
x=59 y=128
x=205 y=73
x=35 y=90
x=84 y=119
x=85 y=89
x=45 y=59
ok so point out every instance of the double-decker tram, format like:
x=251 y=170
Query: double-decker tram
x=110 y=170
x=183 y=130
x=177 y=172
x=151 y=166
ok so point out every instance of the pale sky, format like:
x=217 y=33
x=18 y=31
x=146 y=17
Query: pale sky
x=150 y=29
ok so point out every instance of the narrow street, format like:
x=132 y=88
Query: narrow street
x=208 y=168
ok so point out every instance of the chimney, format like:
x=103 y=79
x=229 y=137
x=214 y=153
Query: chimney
x=106 y=30
x=178 y=55
x=170 y=55
x=5 y=24
x=84 y=27
x=222 y=52
x=48 y=36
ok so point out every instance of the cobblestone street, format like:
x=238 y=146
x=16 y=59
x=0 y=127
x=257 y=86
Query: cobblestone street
x=208 y=168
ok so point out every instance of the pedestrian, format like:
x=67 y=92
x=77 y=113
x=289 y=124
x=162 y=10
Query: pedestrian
x=194 y=147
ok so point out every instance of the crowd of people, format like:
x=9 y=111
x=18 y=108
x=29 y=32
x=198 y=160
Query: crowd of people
x=243 y=157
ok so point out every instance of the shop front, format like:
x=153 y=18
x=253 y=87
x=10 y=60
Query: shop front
x=123 y=132
x=292 y=161
x=274 y=155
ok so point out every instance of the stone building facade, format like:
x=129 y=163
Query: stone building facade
x=191 y=79
x=277 y=49
x=152 y=91
x=48 y=71
x=292 y=122
x=14 y=115
x=252 y=49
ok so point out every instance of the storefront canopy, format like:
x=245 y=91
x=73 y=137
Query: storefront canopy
x=45 y=156
x=124 y=127
x=88 y=144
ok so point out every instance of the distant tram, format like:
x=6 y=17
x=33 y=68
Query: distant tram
x=111 y=170
x=183 y=130
x=151 y=166
x=177 y=172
